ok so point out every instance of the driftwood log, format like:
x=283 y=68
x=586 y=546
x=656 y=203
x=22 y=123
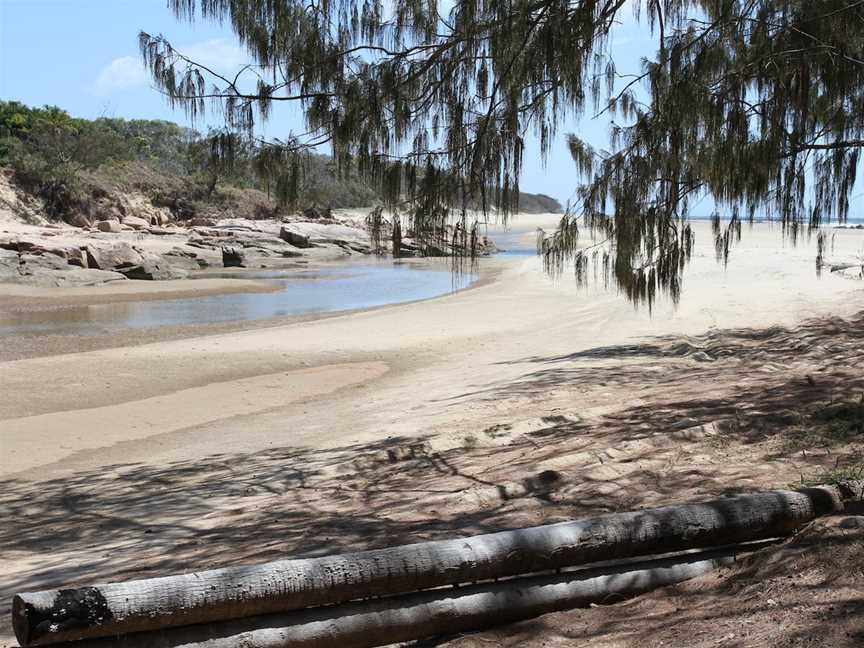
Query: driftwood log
x=236 y=592
x=409 y=617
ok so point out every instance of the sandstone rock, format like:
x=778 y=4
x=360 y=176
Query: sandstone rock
x=48 y=270
x=77 y=257
x=108 y=257
x=109 y=226
x=136 y=223
x=199 y=221
x=233 y=258
x=294 y=238
x=71 y=276
x=187 y=261
x=79 y=220
x=151 y=271
x=70 y=254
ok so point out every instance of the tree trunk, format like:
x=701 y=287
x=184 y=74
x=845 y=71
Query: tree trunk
x=236 y=592
x=427 y=614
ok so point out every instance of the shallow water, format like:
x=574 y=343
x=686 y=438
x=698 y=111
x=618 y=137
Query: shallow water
x=348 y=287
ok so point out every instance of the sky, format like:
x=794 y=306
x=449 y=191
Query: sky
x=82 y=55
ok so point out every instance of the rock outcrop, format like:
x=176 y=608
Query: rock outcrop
x=109 y=226
x=294 y=238
x=233 y=258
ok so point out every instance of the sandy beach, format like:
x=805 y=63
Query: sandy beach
x=186 y=451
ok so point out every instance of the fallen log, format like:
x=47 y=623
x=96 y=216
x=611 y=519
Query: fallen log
x=236 y=592
x=408 y=617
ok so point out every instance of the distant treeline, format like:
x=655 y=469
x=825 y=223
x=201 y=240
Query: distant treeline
x=67 y=161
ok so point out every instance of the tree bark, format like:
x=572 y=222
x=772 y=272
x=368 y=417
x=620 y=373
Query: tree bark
x=409 y=617
x=235 y=592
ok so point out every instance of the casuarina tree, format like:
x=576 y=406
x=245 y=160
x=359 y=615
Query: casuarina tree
x=758 y=104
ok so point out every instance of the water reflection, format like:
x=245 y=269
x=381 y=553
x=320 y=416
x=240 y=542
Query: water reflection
x=358 y=286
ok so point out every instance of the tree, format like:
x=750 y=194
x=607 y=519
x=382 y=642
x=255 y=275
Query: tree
x=757 y=103
x=48 y=149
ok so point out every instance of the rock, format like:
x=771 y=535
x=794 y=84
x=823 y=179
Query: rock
x=71 y=254
x=701 y=356
x=77 y=257
x=294 y=238
x=199 y=221
x=311 y=213
x=151 y=271
x=109 y=226
x=109 y=257
x=79 y=220
x=86 y=277
x=48 y=270
x=180 y=259
x=136 y=223
x=233 y=258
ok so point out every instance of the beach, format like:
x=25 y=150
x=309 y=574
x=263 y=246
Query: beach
x=162 y=451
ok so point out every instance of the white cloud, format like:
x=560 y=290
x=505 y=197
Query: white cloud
x=221 y=55
x=120 y=74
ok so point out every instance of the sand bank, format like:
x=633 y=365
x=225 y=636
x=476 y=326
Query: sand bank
x=441 y=351
x=23 y=296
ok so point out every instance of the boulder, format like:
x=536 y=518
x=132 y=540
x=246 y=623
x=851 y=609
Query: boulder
x=294 y=238
x=77 y=257
x=136 y=223
x=181 y=259
x=109 y=257
x=71 y=254
x=49 y=270
x=79 y=220
x=150 y=270
x=109 y=226
x=199 y=221
x=233 y=258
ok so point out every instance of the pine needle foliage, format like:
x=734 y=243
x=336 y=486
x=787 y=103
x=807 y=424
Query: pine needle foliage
x=757 y=103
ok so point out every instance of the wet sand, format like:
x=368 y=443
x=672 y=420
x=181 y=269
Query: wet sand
x=37 y=297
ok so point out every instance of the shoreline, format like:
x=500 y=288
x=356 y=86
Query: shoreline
x=19 y=297
x=37 y=344
x=476 y=334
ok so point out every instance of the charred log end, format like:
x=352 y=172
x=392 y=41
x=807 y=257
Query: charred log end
x=71 y=609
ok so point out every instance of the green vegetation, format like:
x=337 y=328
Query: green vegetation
x=838 y=474
x=758 y=104
x=75 y=165
x=70 y=163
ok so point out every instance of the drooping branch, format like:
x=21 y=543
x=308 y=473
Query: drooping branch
x=757 y=103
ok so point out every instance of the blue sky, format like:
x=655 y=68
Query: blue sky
x=82 y=55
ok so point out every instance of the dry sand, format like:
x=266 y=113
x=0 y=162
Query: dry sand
x=424 y=420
